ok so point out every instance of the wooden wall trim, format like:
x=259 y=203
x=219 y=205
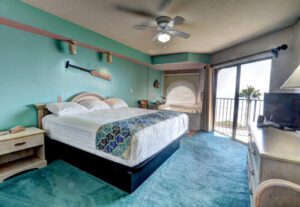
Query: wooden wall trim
x=182 y=71
x=35 y=30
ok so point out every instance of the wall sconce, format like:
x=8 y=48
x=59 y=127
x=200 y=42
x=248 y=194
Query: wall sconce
x=109 y=57
x=156 y=84
x=72 y=47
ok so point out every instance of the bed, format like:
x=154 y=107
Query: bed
x=78 y=139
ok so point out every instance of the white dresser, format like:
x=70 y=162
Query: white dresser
x=274 y=154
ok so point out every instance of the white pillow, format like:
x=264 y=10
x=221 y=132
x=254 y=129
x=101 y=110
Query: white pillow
x=66 y=108
x=94 y=105
x=116 y=103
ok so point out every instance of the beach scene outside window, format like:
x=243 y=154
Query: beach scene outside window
x=254 y=82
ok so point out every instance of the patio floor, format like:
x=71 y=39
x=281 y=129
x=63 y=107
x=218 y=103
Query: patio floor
x=242 y=134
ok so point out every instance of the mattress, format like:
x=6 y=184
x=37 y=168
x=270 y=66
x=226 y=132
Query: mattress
x=80 y=131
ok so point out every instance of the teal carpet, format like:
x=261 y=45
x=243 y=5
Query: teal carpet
x=206 y=171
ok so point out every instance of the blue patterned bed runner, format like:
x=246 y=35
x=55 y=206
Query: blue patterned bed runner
x=114 y=138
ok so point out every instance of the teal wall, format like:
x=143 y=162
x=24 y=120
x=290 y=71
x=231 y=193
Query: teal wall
x=26 y=14
x=171 y=58
x=199 y=58
x=32 y=67
x=181 y=58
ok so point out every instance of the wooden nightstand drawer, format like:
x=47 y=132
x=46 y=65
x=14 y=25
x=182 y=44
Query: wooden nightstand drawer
x=21 y=151
x=14 y=145
x=153 y=106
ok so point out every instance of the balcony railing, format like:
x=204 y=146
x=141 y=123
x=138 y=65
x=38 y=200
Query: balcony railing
x=247 y=111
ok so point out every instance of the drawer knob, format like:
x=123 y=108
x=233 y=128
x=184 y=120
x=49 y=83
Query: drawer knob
x=20 y=144
x=252 y=171
x=253 y=152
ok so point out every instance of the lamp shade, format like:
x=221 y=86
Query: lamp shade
x=109 y=57
x=72 y=47
x=293 y=82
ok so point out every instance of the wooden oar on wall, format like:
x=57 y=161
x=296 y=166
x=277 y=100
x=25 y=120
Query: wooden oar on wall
x=92 y=72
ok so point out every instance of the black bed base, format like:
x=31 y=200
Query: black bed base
x=126 y=178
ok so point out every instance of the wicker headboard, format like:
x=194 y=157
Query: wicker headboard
x=42 y=110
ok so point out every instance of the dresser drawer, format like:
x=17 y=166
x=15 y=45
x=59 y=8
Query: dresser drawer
x=253 y=173
x=250 y=178
x=14 y=145
x=253 y=151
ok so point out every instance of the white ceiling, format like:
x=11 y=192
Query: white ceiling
x=213 y=24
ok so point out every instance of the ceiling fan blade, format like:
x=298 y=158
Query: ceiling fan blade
x=154 y=38
x=164 y=4
x=138 y=12
x=144 y=27
x=176 y=21
x=179 y=33
x=179 y=20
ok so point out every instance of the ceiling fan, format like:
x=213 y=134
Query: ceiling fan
x=164 y=24
x=165 y=27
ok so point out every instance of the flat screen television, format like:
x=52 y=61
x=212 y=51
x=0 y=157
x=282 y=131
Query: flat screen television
x=283 y=109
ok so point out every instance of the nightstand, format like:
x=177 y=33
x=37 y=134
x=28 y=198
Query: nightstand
x=153 y=106
x=21 y=151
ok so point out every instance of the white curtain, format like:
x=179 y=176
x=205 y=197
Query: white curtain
x=184 y=88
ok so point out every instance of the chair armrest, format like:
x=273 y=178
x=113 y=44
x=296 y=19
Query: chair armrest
x=273 y=183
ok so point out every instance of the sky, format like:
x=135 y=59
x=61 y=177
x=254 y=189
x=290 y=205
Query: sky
x=256 y=74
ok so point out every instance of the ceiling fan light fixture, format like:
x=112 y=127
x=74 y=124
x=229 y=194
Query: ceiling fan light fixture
x=163 y=37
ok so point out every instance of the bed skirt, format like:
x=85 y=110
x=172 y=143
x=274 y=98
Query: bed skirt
x=123 y=177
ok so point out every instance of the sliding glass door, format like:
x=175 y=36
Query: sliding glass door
x=224 y=102
x=239 y=97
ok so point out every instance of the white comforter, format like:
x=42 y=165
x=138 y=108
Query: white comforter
x=80 y=131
